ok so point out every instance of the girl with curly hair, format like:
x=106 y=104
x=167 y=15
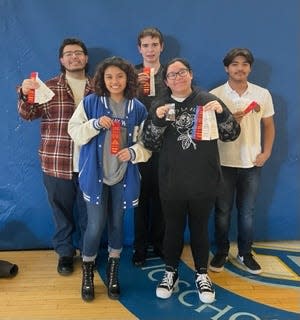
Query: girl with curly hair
x=107 y=125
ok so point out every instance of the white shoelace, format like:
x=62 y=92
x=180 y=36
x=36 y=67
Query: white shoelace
x=203 y=282
x=167 y=280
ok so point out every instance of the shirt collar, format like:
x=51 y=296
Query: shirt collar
x=231 y=91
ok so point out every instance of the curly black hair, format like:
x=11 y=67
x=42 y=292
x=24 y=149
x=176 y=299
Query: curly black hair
x=132 y=77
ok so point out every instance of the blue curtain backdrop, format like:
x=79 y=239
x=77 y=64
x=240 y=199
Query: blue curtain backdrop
x=201 y=31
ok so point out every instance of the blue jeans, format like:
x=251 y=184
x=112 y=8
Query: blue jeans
x=69 y=213
x=239 y=185
x=111 y=211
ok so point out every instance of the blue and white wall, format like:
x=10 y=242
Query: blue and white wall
x=201 y=31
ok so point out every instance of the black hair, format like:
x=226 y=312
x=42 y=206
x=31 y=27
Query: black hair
x=235 y=52
x=132 y=77
x=70 y=41
x=183 y=61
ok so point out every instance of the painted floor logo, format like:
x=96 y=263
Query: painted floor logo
x=138 y=296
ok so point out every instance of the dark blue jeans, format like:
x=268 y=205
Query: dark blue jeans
x=110 y=210
x=239 y=185
x=69 y=213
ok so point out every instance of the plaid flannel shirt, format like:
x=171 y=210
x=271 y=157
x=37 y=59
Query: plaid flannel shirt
x=56 y=147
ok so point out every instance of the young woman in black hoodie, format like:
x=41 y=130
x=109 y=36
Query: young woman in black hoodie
x=189 y=169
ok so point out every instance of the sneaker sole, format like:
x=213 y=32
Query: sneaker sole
x=254 y=271
x=207 y=299
x=165 y=294
x=215 y=269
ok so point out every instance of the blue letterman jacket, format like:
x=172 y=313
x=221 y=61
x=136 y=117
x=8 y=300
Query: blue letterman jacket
x=91 y=154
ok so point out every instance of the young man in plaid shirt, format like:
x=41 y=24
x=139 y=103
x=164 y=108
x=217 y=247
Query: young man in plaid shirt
x=58 y=154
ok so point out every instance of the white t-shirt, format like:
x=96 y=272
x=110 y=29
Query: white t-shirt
x=77 y=86
x=242 y=152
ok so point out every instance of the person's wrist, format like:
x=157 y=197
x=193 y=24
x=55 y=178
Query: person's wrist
x=132 y=154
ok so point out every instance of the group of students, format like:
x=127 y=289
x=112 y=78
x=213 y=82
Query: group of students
x=107 y=146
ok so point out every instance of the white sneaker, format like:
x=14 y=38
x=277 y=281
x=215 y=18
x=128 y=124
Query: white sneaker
x=205 y=288
x=168 y=284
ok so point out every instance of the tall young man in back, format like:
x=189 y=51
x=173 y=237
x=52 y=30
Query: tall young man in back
x=58 y=154
x=148 y=218
x=242 y=159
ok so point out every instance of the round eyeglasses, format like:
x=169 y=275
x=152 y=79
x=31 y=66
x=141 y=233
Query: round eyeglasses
x=181 y=73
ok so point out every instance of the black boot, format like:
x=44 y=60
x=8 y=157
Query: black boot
x=113 y=287
x=87 y=289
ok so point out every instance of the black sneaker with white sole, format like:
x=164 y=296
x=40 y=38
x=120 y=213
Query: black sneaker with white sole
x=217 y=262
x=168 y=284
x=249 y=262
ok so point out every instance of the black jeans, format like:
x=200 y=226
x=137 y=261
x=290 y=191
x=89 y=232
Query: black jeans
x=176 y=213
x=149 y=222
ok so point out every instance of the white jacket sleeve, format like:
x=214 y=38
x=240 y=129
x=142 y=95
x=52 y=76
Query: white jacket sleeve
x=80 y=128
x=141 y=153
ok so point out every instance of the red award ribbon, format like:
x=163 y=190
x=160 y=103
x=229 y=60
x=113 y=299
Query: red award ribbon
x=198 y=124
x=146 y=85
x=252 y=105
x=115 y=137
x=31 y=94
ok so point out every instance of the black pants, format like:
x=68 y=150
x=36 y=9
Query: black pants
x=176 y=213
x=149 y=223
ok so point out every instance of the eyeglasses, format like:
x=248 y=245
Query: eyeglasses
x=181 y=73
x=77 y=53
